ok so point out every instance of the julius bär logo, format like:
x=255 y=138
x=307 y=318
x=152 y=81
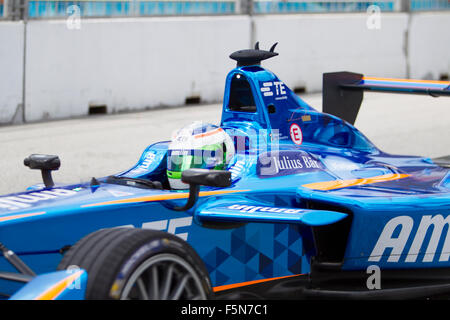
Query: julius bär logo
x=286 y=162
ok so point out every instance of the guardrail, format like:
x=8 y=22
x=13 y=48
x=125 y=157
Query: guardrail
x=317 y=6
x=42 y=9
x=2 y=9
x=429 y=5
x=47 y=66
x=120 y=8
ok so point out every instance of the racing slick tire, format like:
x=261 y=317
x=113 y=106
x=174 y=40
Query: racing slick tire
x=127 y=263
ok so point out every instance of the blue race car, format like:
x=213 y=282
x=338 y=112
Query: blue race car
x=280 y=201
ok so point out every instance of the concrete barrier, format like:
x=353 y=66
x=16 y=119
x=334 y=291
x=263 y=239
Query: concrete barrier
x=11 y=71
x=128 y=64
x=310 y=44
x=429 y=45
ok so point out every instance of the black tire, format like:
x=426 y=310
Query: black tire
x=113 y=258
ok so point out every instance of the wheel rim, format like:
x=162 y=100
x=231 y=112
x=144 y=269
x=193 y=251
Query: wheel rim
x=164 y=277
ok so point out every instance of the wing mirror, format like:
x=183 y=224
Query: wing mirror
x=202 y=177
x=46 y=163
x=205 y=177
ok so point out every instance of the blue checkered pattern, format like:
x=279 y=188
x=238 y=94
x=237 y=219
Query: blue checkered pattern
x=256 y=251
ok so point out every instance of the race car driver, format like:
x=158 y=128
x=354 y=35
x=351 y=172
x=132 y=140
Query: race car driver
x=198 y=145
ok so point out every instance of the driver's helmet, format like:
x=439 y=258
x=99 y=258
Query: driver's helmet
x=198 y=145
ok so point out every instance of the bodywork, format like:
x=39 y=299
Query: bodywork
x=307 y=188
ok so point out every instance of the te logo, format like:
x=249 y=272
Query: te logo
x=279 y=88
x=170 y=226
x=266 y=88
x=296 y=134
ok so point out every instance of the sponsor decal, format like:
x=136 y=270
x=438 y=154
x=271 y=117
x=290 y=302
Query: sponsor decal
x=306 y=118
x=275 y=88
x=424 y=241
x=145 y=164
x=296 y=134
x=169 y=225
x=286 y=163
x=253 y=209
x=26 y=200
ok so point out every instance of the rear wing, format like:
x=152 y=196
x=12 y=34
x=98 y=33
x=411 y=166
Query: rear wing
x=343 y=91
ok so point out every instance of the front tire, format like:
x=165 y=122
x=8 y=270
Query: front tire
x=139 y=264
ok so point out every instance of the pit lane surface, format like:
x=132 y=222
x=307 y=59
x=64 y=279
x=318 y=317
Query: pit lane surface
x=97 y=146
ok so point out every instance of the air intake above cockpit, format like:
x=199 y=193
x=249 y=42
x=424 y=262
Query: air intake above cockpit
x=250 y=57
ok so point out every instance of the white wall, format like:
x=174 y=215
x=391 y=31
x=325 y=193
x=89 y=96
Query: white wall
x=11 y=62
x=311 y=44
x=128 y=63
x=139 y=63
x=429 y=45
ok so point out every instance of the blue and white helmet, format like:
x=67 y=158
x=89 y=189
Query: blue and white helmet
x=198 y=145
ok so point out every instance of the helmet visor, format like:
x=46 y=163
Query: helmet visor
x=180 y=160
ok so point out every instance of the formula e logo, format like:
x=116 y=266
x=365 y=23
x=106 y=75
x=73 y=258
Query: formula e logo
x=296 y=134
x=392 y=237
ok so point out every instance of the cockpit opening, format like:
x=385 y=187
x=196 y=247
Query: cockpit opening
x=241 y=95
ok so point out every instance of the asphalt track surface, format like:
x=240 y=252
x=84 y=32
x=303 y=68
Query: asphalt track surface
x=97 y=146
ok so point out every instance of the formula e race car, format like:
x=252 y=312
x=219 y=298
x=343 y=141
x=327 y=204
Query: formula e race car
x=307 y=208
